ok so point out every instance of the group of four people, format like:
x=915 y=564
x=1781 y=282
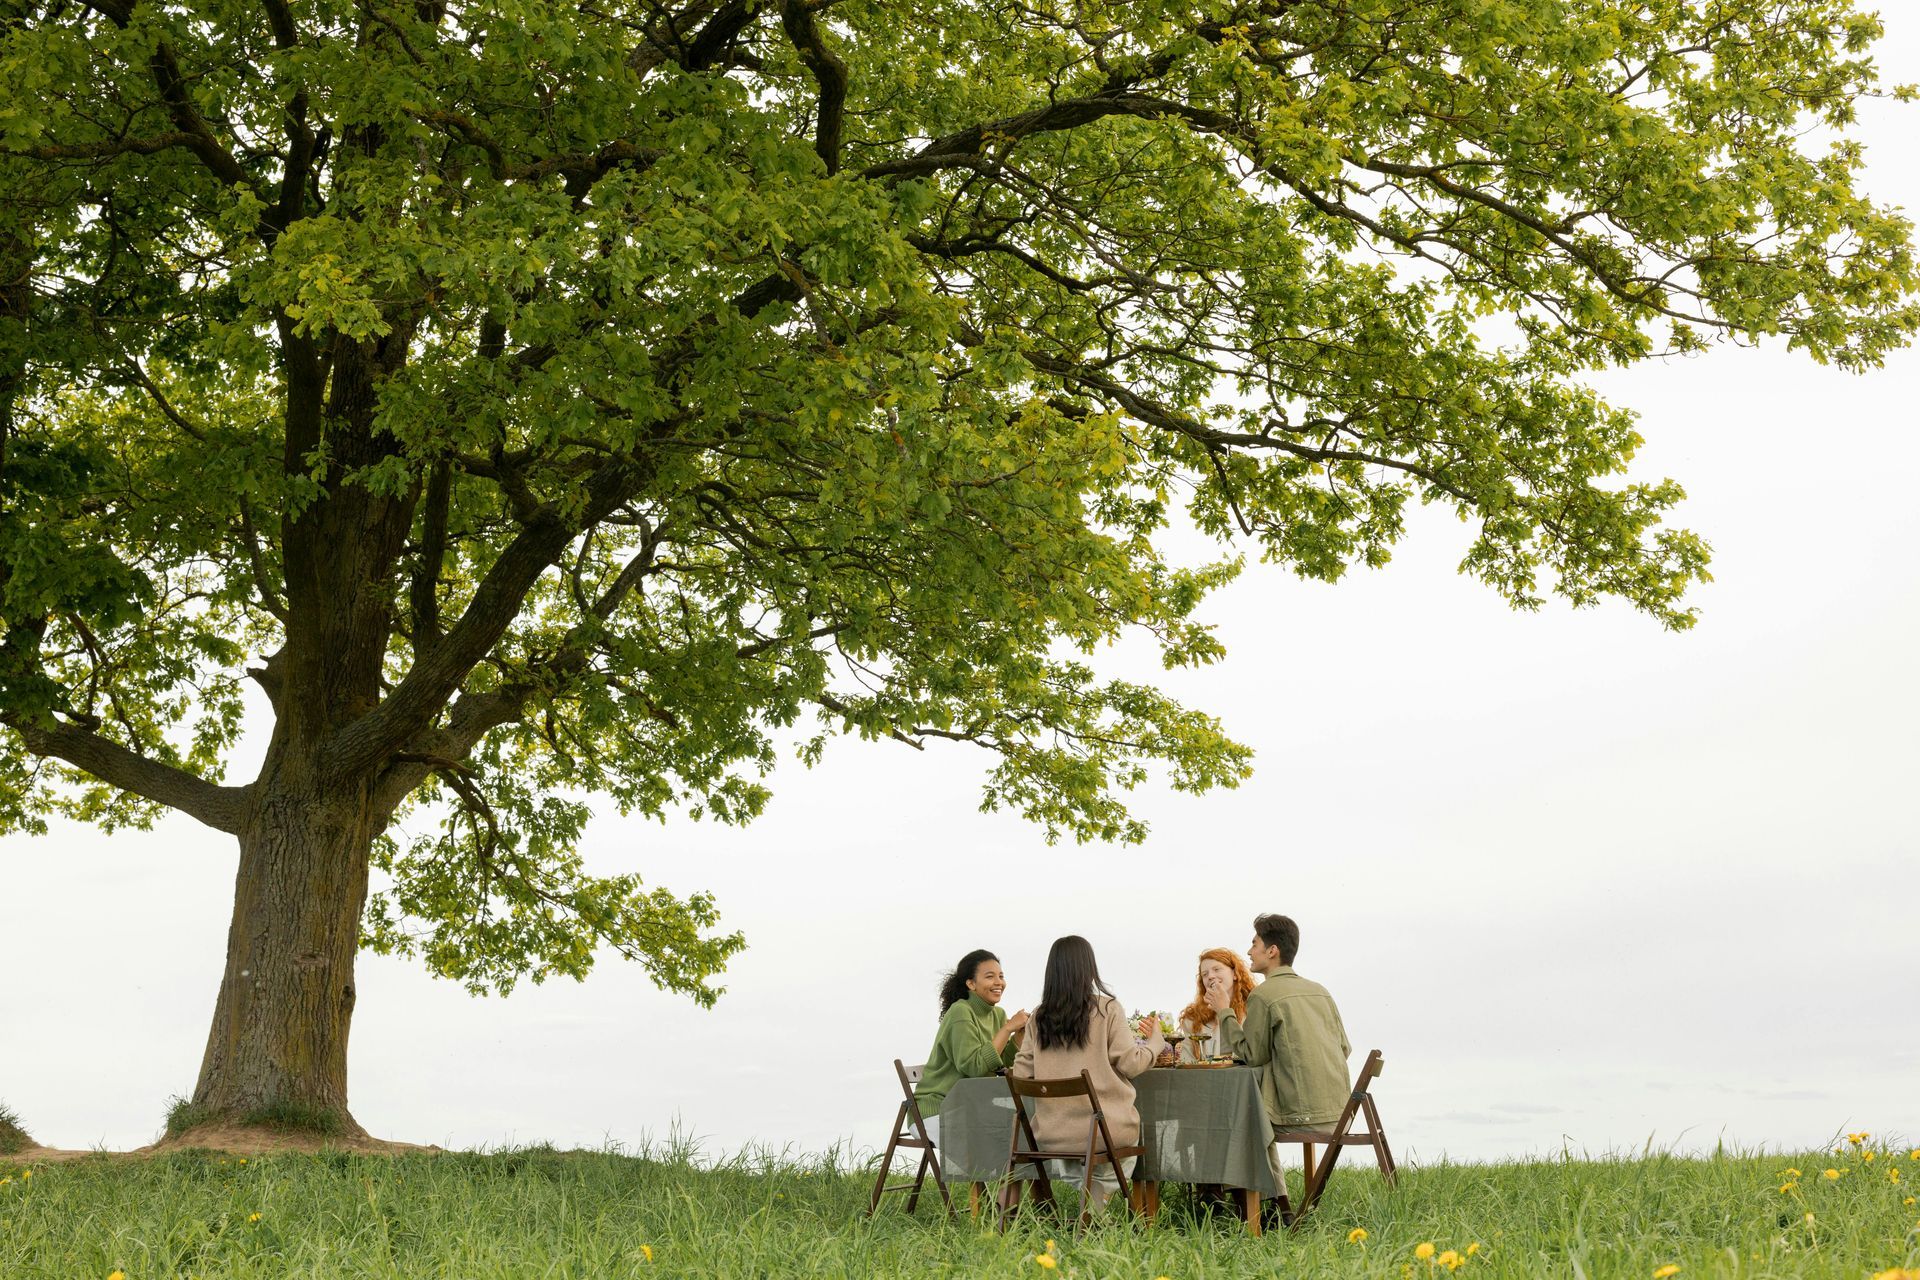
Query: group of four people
x=1286 y=1027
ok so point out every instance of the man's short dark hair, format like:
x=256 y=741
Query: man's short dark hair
x=1281 y=932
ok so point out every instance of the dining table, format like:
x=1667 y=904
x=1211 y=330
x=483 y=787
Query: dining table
x=1201 y=1125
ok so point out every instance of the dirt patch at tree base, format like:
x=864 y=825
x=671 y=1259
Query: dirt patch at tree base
x=236 y=1140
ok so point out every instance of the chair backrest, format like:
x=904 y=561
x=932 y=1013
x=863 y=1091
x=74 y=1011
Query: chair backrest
x=1369 y=1072
x=909 y=1076
x=1080 y=1086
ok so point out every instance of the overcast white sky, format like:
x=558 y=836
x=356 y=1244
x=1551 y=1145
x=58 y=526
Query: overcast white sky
x=1583 y=881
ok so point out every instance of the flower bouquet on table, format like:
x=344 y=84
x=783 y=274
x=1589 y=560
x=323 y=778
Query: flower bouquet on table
x=1143 y=1024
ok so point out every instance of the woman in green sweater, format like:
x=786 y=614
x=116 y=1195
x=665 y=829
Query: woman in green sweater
x=976 y=1037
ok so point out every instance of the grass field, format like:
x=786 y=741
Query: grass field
x=554 y=1215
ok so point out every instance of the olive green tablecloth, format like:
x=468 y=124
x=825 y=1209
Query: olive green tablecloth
x=1197 y=1126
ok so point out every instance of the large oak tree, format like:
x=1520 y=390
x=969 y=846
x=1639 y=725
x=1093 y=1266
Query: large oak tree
x=550 y=401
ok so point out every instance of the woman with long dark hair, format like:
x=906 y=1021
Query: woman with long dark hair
x=1078 y=1026
x=976 y=1037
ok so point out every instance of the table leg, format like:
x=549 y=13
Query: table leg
x=973 y=1200
x=1146 y=1199
x=1250 y=1206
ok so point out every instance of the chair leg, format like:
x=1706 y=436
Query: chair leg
x=886 y=1161
x=1316 y=1184
x=1306 y=1161
x=933 y=1162
x=1010 y=1195
x=1381 y=1151
x=919 y=1177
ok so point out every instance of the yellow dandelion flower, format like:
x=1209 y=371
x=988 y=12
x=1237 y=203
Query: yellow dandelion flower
x=1045 y=1260
x=1809 y=1219
x=1473 y=1248
x=1785 y=1187
x=1671 y=1269
x=1867 y=1156
x=6 y=1182
x=25 y=1174
x=1789 y=1173
x=1914 y=1154
x=1423 y=1250
x=1907 y=1201
x=255 y=1217
x=1052 y=1247
x=1857 y=1138
x=1356 y=1235
x=243 y=1159
x=646 y=1251
x=1831 y=1175
x=116 y=1275
x=1898 y=1273
x=1450 y=1260
x=1893 y=1175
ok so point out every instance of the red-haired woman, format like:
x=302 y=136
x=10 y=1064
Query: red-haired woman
x=1198 y=1019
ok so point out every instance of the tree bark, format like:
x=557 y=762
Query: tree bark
x=279 y=1034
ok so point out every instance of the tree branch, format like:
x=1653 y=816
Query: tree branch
x=829 y=72
x=495 y=603
x=222 y=808
x=1212 y=438
x=432 y=559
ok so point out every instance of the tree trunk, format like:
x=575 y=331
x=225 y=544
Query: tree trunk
x=278 y=1044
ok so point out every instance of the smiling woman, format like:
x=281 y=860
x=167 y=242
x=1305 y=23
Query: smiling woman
x=976 y=1037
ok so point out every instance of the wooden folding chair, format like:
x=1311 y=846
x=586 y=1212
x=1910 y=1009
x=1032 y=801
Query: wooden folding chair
x=909 y=1132
x=1342 y=1135
x=1099 y=1148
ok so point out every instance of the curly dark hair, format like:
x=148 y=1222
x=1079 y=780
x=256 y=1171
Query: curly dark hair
x=953 y=987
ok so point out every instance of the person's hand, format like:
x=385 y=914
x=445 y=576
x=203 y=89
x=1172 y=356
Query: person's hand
x=1155 y=1041
x=1018 y=1022
x=1219 y=994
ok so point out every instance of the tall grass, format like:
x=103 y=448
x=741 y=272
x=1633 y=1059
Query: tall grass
x=542 y=1213
x=12 y=1137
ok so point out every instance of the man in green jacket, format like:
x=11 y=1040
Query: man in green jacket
x=1292 y=1033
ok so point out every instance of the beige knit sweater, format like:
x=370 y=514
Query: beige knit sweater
x=1110 y=1058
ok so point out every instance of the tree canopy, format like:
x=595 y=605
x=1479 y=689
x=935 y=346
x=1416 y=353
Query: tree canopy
x=548 y=402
